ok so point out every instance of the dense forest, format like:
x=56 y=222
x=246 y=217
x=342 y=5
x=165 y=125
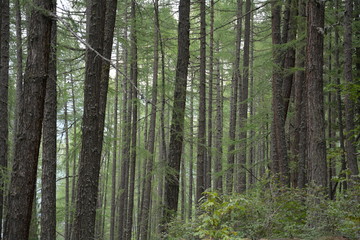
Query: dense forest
x=186 y=119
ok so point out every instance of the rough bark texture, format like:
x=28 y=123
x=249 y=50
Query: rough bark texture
x=28 y=135
x=4 y=85
x=90 y=155
x=300 y=103
x=201 y=148
x=48 y=180
x=350 y=144
x=315 y=103
x=279 y=156
x=177 y=124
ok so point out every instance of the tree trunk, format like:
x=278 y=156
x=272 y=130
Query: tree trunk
x=243 y=108
x=315 y=101
x=279 y=156
x=115 y=149
x=28 y=135
x=90 y=156
x=4 y=86
x=233 y=102
x=67 y=173
x=145 y=209
x=210 y=103
x=178 y=112
x=350 y=144
x=126 y=137
x=134 y=100
x=201 y=148
x=219 y=131
x=48 y=180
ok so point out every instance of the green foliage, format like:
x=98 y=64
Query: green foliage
x=273 y=213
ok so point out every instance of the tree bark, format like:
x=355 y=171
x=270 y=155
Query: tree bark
x=178 y=112
x=90 y=156
x=48 y=180
x=243 y=108
x=279 y=156
x=4 y=86
x=315 y=102
x=350 y=143
x=145 y=209
x=233 y=102
x=134 y=100
x=201 y=148
x=219 y=131
x=28 y=135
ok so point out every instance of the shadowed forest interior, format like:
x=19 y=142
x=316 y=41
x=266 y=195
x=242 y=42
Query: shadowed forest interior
x=185 y=119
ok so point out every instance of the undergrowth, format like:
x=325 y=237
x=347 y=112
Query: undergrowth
x=272 y=213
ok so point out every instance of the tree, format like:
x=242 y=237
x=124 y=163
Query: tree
x=279 y=154
x=4 y=85
x=316 y=153
x=31 y=113
x=89 y=162
x=201 y=173
x=178 y=111
x=48 y=192
x=145 y=209
x=349 y=103
x=233 y=103
x=243 y=107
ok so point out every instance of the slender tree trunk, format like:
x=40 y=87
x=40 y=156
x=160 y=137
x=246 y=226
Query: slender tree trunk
x=145 y=209
x=178 y=112
x=28 y=135
x=201 y=148
x=4 y=85
x=48 y=180
x=126 y=137
x=279 y=156
x=243 y=108
x=219 y=131
x=134 y=82
x=315 y=103
x=350 y=144
x=115 y=149
x=74 y=167
x=233 y=102
x=338 y=96
x=67 y=173
x=90 y=156
x=191 y=150
x=210 y=104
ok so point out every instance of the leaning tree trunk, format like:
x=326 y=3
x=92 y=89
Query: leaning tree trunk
x=31 y=113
